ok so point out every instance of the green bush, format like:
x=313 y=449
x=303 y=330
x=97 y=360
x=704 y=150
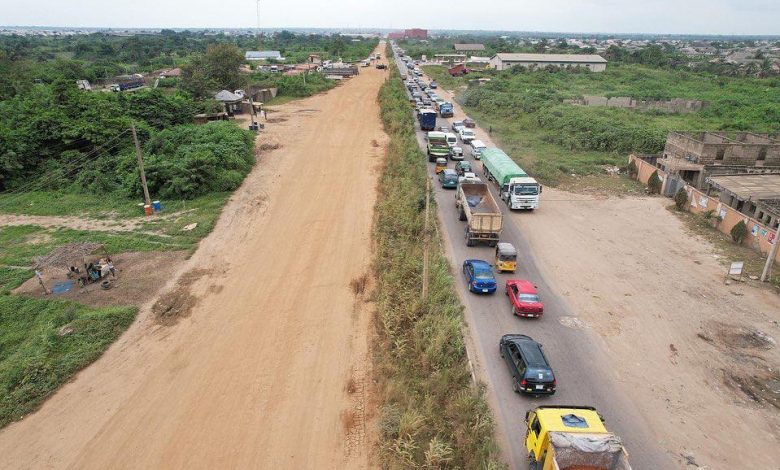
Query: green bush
x=681 y=199
x=654 y=183
x=188 y=161
x=739 y=232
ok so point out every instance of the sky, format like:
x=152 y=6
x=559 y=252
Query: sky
x=751 y=17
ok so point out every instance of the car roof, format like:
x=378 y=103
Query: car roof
x=450 y=171
x=478 y=263
x=531 y=350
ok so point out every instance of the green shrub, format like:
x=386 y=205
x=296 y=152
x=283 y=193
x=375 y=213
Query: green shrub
x=739 y=232
x=632 y=169
x=654 y=183
x=681 y=199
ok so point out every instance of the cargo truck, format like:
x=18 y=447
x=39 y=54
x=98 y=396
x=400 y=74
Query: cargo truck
x=572 y=438
x=437 y=146
x=427 y=119
x=516 y=188
x=477 y=207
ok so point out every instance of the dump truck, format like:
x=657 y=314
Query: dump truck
x=516 y=188
x=477 y=207
x=437 y=145
x=572 y=438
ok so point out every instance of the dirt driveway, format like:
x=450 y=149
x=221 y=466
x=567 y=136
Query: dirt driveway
x=267 y=363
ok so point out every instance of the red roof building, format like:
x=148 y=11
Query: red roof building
x=416 y=33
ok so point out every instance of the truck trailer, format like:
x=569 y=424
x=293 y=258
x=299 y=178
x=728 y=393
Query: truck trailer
x=427 y=119
x=437 y=145
x=484 y=220
x=516 y=188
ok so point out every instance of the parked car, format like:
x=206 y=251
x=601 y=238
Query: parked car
x=476 y=148
x=531 y=372
x=456 y=153
x=468 y=122
x=448 y=179
x=524 y=299
x=463 y=167
x=434 y=85
x=466 y=135
x=479 y=275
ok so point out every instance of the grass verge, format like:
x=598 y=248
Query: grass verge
x=44 y=342
x=431 y=414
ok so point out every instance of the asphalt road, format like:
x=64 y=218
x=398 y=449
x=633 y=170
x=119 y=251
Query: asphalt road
x=578 y=359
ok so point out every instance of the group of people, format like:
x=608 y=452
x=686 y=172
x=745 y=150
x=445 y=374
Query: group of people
x=94 y=271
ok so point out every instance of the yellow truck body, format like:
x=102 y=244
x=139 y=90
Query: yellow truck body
x=572 y=438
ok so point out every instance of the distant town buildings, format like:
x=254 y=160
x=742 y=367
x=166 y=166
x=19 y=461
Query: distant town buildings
x=503 y=61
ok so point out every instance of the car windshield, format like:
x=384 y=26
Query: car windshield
x=527 y=190
x=468 y=133
x=529 y=297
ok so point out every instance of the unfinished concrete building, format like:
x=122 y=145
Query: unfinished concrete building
x=694 y=156
x=757 y=196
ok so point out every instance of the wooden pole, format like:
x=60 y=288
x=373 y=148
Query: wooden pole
x=141 y=167
x=770 y=259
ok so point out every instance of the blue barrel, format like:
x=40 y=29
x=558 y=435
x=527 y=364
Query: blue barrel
x=156 y=206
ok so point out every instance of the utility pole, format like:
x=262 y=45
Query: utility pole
x=770 y=259
x=141 y=166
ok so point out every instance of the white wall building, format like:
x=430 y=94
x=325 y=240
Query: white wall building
x=503 y=61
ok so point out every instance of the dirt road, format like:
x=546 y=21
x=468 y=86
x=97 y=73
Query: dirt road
x=268 y=366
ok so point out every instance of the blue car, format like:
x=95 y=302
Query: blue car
x=479 y=275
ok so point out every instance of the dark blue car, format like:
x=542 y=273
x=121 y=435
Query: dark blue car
x=479 y=275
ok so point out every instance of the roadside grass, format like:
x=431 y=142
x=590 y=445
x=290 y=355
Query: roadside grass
x=431 y=414
x=44 y=342
x=727 y=250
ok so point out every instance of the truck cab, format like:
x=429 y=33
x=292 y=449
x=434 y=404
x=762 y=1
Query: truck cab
x=558 y=437
x=522 y=193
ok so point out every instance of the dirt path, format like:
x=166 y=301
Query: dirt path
x=270 y=366
x=698 y=357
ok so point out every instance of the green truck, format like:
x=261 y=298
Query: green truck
x=437 y=146
x=515 y=187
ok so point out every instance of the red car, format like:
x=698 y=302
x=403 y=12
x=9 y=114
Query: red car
x=524 y=299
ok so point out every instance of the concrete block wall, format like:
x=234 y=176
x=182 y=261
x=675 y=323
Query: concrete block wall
x=699 y=202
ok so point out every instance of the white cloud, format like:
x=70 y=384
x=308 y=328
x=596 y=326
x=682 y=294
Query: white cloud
x=626 y=16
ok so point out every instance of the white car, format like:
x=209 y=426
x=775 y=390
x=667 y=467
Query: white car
x=457 y=126
x=466 y=135
x=452 y=139
x=476 y=148
x=469 y=177
x=456 y=153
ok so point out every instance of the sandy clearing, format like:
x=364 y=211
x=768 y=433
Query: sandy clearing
x=271 y=369
x=655 y=295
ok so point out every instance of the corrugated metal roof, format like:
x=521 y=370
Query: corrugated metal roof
x=576 y=58
x=469 y=47
x=754 y=187
x=262 y=55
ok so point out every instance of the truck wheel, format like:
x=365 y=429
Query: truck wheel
x=514 y=386
x=493 y=243
x=462 y=216
x=469 y=240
